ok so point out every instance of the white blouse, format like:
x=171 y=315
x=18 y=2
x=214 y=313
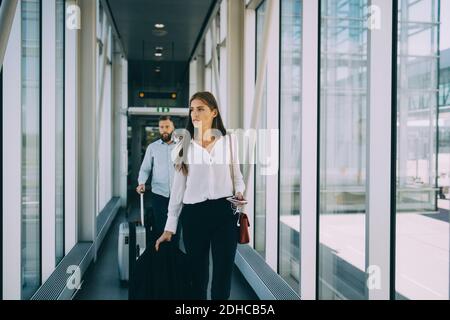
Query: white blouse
x=209 y=177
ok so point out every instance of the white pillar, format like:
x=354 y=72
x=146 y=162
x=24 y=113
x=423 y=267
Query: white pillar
x=71 y=111
x=378 y=200
x=272 y=145
x=309 y=157
x=48 y=138
x=248 y=95
x=12 y=164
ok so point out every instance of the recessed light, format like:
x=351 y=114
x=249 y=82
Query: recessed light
x=159 y=32
x=158 y=54
x=159 y=25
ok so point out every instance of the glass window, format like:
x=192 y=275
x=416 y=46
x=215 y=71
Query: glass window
x=422 y=229
x=223 y=20
x=1 y=164
x=31 y=185
x=208 y=47
x=105 y=143
x=208 y=78
x=289 y=251
x=343 y=120
x=104 y=114
x=60 y=17
x=260 y=179
x=444 y=108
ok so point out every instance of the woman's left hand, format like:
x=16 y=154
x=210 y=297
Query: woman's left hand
x=239 y=196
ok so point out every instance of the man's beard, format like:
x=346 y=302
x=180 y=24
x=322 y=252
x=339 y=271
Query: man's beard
x=166 y=137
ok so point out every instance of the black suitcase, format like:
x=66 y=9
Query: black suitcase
x=161 y=275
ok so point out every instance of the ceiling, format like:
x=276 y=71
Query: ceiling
x=136 y=19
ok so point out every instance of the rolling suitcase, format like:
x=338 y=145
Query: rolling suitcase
x=162 y=275
x=138 y=232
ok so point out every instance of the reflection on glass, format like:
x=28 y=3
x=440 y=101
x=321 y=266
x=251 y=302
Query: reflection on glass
x=343 y=120
x=444 y=107
x=290 y=67
x=422 y=234
x=60 y=13
x=260 y=179
x=417 y=105
x=31 y=257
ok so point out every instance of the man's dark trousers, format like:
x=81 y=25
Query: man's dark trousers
x=160 y=205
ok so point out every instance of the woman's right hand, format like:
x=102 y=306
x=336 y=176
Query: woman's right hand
x=166 y=236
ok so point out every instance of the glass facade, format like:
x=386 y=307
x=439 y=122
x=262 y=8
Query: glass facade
x=60 y=19
x=31 y=167
x=1 y=215
x=343 y=121
x=444 y=106
x=422 y=231
x=420 y=234
x=260 y=178
x=104 y=110
x=290 y=103
x=417 y=105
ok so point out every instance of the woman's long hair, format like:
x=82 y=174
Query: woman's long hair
x=210 y=100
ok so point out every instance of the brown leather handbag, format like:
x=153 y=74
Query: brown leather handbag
x=244 y=235
x=243 y=223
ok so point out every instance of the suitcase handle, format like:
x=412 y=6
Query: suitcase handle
x=142 y=209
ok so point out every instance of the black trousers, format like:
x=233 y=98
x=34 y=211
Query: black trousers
x=210 y=224
x=160 y=205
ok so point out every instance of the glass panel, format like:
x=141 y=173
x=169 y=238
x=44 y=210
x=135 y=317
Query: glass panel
x=343 y=121
x=208 y=47
x=60 y=14
x=223 y=20
x=260 y=179
x=290 y=104
x=1 y=195
x=104 y=116
x=31 y=188
x=422 y=232
x=105 y=144
x=444 y=108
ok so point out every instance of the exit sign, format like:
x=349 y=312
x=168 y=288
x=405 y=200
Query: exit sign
x=162 y=109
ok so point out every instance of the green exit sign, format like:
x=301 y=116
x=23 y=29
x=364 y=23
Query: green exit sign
x=162 y=109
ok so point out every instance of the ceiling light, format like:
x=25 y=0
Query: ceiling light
x=159 y=25
x=159 y=32
x=158 y=51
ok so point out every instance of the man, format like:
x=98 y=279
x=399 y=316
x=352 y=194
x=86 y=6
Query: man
x=158 y=161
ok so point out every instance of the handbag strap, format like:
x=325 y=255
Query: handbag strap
x=232 y=165
x=232 y=181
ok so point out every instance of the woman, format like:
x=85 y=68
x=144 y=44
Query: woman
x=202 y=182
